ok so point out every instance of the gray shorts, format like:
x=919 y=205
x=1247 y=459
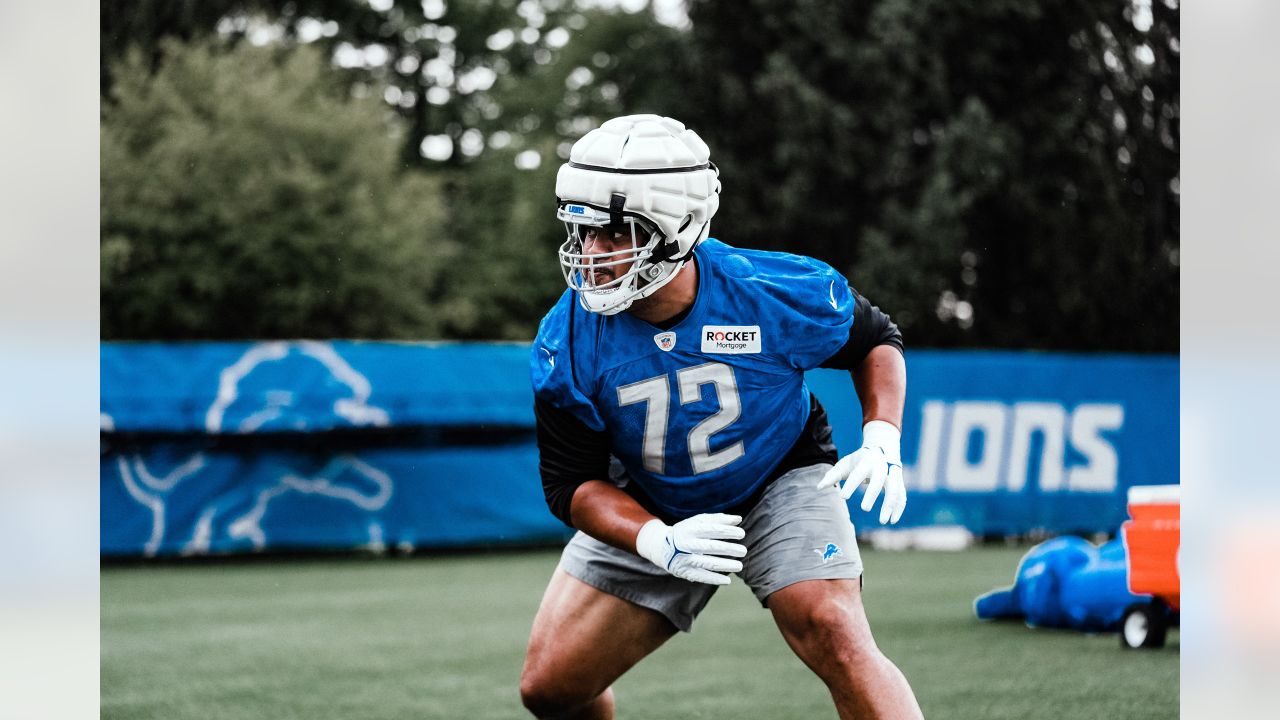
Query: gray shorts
x=796 y=532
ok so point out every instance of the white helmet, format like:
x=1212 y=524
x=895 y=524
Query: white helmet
x=637 y=171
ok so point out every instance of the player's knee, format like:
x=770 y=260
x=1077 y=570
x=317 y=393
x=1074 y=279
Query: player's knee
x=829 y=630
x=539 y=696
x=548 y=697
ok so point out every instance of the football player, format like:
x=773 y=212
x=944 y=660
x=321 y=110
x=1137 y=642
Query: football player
x=677 y=435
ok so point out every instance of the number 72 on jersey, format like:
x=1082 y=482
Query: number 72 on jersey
x=655 y=394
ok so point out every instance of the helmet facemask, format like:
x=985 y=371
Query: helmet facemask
x=599 y=278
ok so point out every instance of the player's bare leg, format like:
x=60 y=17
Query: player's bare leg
x=824 y=623
x=583 y=639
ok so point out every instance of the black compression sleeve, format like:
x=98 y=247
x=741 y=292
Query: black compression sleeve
x=871 y=328
x=569 y=454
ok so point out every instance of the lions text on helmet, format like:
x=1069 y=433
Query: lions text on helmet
x=636 y=197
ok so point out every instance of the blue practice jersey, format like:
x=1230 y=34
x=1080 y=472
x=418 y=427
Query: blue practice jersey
x=700 y=414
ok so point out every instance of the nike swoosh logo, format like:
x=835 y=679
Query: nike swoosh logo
x=834 y=305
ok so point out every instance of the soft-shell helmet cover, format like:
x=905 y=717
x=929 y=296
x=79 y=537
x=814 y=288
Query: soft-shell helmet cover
x=643 y=169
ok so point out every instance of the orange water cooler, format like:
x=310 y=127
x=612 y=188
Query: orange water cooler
x=1152 y=540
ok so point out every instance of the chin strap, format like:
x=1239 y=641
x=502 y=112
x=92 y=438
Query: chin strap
x=663 y=252
x=668 y=248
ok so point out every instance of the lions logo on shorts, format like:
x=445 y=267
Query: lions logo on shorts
x=831 y=550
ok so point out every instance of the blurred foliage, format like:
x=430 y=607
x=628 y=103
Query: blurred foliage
x=995 y=174
x=245 y=196
x=499 y=86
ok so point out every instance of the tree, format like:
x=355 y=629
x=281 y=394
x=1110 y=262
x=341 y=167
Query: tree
x=245 y=194
x=996 y=174
x=491 y=95
x=999 y=174
x=512 y=137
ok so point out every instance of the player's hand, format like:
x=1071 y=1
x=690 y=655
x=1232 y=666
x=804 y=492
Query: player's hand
x=879 y=464
x=696 y=549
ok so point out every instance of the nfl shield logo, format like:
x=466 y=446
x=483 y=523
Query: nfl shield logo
x=665 y=341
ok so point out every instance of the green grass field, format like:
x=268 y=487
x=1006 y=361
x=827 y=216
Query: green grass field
x=444 y=638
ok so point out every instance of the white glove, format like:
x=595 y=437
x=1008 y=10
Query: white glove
x=689 y=549
x=879 y=463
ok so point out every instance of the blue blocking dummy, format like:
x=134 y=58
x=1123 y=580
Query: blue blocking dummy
x=1066 y=582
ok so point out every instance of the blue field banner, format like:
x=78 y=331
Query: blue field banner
x=1010 y=443
x=311 y=386
x=295 y=445
x=184 y=498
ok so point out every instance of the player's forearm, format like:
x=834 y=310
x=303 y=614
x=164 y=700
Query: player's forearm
x=881 y=384
x=608 y=514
